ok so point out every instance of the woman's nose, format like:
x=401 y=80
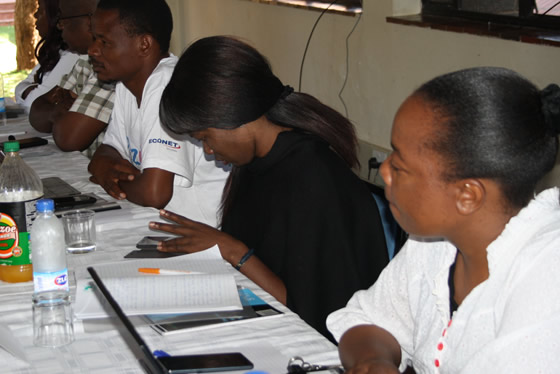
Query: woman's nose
x=207 y=149
x=385 y=172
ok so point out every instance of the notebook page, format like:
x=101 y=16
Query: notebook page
x=139 y=293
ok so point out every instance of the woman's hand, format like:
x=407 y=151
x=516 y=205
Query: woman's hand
x=374 y=367
x=369 y=349
x=196 y=236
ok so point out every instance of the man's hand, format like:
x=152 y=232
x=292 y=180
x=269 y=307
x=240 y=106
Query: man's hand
x=61 y=100
x=46 y=109
x=108 y=168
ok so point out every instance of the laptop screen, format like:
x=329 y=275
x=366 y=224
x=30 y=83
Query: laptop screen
x=198 y=363
x=134 y=341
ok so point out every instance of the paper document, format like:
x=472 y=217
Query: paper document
x=139 y=293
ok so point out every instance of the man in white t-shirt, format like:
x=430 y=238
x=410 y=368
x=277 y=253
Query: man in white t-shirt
x=138 y=160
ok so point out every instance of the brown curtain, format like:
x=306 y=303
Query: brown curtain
x=25 y=33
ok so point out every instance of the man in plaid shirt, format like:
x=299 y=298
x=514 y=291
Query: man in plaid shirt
x=79 y=108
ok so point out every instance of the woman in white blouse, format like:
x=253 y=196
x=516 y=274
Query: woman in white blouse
x=54 y=60
x=475 y=289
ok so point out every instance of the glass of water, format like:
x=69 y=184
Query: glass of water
x=79 y=230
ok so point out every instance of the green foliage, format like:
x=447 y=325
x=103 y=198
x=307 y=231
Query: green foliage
x=11 y=80
x=7 y=33
x=8 y=62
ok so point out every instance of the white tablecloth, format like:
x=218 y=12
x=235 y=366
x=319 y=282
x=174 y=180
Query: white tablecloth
x=98 y=347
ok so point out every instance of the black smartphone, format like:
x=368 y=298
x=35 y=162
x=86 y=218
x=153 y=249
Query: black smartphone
x=72 y=201
x=31 y=142
x=206 y=363
x=150 y=242
x=148 y=253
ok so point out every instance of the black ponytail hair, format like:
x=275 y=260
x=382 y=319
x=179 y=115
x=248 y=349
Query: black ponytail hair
x=497 y=125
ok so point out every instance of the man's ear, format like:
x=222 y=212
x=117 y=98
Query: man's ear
x=146 y=43
x=471 y=195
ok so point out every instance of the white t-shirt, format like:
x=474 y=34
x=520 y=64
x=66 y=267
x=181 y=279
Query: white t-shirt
x=139 y=137
x=50 y=79
x=509 y=323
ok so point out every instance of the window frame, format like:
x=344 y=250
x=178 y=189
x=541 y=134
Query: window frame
x=345 y=7
x=525 y=17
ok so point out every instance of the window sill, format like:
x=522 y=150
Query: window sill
x=508 y=32
x=303 y=4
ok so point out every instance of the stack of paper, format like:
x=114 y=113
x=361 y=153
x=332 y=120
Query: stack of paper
x=212 y=288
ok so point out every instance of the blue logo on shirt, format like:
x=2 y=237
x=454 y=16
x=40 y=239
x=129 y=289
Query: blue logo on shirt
x=169 y=143
x=135 y=154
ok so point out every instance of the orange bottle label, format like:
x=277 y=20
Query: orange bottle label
x=15 y=224
x=9 y=237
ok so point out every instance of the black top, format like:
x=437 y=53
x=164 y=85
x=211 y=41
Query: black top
x=451 y=282
x=312 y=221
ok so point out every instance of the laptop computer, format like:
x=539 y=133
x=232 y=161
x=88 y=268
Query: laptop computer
x=68 y=198
x=157 y=363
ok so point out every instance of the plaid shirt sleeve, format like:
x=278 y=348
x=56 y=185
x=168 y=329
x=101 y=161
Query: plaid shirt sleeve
x=95 y=99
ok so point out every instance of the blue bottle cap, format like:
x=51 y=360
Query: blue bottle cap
x=45 y=205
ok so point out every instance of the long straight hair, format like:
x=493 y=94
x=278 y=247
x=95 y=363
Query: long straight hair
x=222 y=82
x=48 y=49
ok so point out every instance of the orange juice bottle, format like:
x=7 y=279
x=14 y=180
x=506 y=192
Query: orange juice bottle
x=20 y=188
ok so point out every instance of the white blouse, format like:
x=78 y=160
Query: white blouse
x=50 y=79
x=509 y=323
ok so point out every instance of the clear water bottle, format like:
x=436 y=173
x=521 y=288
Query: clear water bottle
x=50 y=271
x=3 y=114
x=20 y=188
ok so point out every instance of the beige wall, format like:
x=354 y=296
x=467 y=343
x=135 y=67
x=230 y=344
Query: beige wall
x=387 y=61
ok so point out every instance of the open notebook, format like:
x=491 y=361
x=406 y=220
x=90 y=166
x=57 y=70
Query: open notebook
x=153 y=363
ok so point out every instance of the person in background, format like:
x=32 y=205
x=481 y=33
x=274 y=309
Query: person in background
x=138 y=160
x=54 y=60
x=78 y=109
x=296 y=219
x=475 y=288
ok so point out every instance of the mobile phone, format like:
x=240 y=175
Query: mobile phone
x=205 y=363
x=31 y=142
x=72 y=201
x=150 y=242
x=148 y=253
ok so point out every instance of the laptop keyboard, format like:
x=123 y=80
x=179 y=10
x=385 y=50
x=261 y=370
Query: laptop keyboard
x=56 y=187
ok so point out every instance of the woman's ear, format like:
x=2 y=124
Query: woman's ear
x=471 y=195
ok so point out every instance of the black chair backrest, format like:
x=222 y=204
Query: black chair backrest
x=395 y=236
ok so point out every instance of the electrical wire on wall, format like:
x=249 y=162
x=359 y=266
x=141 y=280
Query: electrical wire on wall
x=552 y=7
x=347 y=52
x=348 y=63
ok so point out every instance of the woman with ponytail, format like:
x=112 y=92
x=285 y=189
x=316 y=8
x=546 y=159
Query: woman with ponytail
x=54 y=60
x=475 y=289
x=295 y=218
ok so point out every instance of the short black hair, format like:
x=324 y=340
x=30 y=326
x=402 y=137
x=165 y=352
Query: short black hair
x=152 y=17
x=493 y=125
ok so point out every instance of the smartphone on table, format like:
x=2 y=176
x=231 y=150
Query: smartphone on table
x=151 y=242
x=206 y=363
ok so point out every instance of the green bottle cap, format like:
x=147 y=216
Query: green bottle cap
x=11 y=146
